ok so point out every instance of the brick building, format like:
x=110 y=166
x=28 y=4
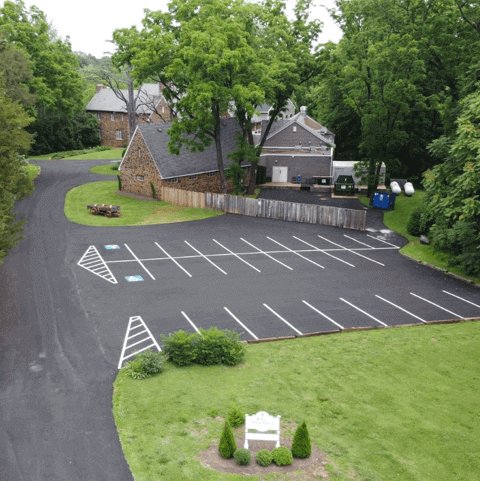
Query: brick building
x=112 y=115
x=147 y=160
x=297 y=146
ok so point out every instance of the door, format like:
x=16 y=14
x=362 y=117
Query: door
x=279 y=174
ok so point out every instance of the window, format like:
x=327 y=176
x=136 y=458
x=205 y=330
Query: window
x=122 y=118
x=211 y=174
x=193 y=177
x=173 y=180
x=140 y=177
x=112 y=117
x=163 y=110
x=119 y=135
x=97 y=114
x=294 y=129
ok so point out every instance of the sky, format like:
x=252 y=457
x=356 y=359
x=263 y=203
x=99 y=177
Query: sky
x=90 y=23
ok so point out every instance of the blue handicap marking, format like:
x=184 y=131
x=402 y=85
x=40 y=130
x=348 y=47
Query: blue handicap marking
x=134 y=278
x=112 y=247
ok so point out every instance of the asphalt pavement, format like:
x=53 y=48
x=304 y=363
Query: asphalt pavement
x=71 y=296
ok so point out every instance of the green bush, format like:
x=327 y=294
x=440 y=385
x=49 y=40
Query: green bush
x=115 y=166
x=242 y=456
x=119 y=182
x=227 y=445
x=217 y=346
x=213 y=412
x=282 y=456
x=236 y=417
x=145 y=364
x=180 y=347
x=153 y=190
x=301 y=445
x=264 y=457
x=413 y=224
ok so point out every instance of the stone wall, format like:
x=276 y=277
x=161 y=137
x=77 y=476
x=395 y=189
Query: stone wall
x=139 y=162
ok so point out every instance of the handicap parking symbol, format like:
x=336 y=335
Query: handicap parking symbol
x=134 y=278
x=112 y=247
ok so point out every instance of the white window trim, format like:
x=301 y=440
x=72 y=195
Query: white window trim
x=193 y=177
x=173 y=180
x=142 y=178
x=112 y=117
x=211 y=174
x=119 y=135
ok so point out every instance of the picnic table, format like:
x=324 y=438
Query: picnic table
x=107 y=210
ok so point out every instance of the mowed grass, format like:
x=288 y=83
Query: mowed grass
x=106 y=154
x=397 y=221
x=388 y=404
x=104 y=169
x=134 y=211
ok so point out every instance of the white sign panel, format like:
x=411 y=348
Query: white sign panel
x=262 y=422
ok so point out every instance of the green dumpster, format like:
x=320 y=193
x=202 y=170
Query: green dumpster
x=344 y=185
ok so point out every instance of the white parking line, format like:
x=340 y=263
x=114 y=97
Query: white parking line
x=139 y=261
x=322 y=314
x=268 y=255
x=170 y=257
x=300 y=255
x=316 y=248
x=440 y=307
x=91 y=259
x=401 y=308
x=381 y=240
x=350 y=250
x=281 y=318
x=138 y=323
x=205 y=257
x=193 y=325
x=236 y=255
x=461 y=298
x=363 y=243
x=363 y=312
x=243 y=325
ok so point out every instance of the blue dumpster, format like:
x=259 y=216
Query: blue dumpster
x=383 y=200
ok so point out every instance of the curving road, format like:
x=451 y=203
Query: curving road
x=55 y=383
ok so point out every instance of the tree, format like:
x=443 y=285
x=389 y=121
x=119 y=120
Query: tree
x=227 y=444
x=301 y=444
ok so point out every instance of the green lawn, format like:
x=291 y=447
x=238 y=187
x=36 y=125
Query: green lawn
x=106 y=154
x=104 y=169
x=398 y=403
x=134 y=212
x=397 y=220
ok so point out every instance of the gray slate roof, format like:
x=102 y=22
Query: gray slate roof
x=187 y=163
x=106 y=101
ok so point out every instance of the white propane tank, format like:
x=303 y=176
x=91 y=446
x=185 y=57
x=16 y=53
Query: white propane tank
x=395 y=187
x=408 y=187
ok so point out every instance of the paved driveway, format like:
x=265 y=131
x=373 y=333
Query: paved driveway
x=74 y=297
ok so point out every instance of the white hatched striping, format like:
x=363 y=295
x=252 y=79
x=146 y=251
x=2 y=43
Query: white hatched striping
x=134 y=323
x=91 y=259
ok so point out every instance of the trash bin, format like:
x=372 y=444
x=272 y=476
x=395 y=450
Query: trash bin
x=383 y=200
x=299 y=178
x=345 y=185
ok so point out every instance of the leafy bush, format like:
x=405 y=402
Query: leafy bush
x=301 y=445
x=180 y=347
x=413 y=224
x=236 y=417
x=115 y=166
x=217 y=346
x=264 y=457
x=242 y=456
x=227 y=445
x=282 y=456
x=145 y=364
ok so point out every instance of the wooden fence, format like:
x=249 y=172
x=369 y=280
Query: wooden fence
x=269 y=209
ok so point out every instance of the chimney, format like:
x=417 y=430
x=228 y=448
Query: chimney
x=98 y=88
x=303 y=111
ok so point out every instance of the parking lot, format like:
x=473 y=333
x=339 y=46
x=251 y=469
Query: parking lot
x=261 y=278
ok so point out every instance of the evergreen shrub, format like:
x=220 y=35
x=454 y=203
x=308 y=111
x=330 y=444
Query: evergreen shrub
x=301 y=445
x=153 y=190
x=242 y=456
x=236 y=417
x=145 y=364
x=264 y=457
x=413 y=224
x=227 y=446
x=115 y=166
x=119 y=182
x=282 y=456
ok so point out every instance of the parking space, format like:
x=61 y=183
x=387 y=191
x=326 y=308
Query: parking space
x=263 y=283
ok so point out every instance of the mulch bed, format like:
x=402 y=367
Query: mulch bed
x=313 y=467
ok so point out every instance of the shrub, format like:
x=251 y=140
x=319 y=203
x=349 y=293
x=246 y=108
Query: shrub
x=123 y=153
x=213 y=412
x=219 y=347
x=301 y=445
x=242 y=456
x=236 y=417
x=227 y=444
x=119 y=182
x=145 y=364
x=153 y=190
x=413 y=224
x=264 y=457
x=282 y=456
x=115 y=166
x=180 y=347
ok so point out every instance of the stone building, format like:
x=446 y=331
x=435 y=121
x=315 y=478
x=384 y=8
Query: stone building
x=147 y=160
x=297 y=146
x=111 y=112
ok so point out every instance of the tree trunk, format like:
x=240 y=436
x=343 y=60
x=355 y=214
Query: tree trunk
x=253 y=166
x=132 y=118
x=218 y=145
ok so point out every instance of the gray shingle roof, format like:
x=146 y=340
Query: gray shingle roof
x=106 y=101
x=187 y=163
